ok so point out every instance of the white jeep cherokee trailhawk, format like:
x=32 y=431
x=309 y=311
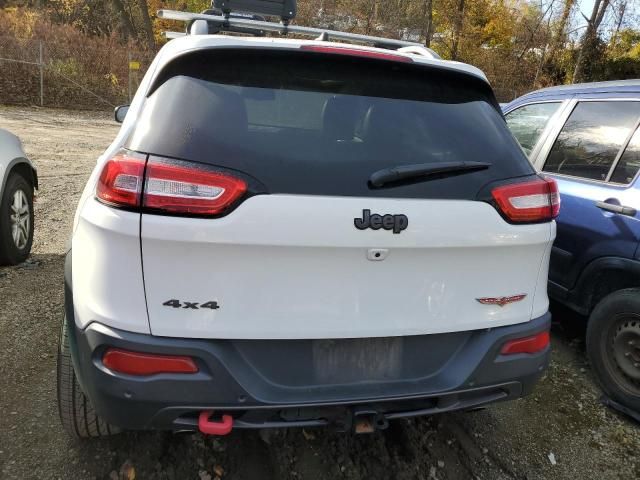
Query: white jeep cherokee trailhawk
x=297 y=233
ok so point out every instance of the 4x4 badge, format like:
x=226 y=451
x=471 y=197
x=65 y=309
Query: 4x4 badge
x=501 y=301
x=175 y=303
x=397 y=223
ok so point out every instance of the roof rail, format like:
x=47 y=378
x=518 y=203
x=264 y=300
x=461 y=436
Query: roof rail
x=171 y=35
x=420 y=50
x=318 y=33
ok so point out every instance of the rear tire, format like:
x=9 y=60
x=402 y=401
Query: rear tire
x=16 y=217
x=77 y=415
x=613 y=346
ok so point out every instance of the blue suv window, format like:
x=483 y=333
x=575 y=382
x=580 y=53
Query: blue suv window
x=629 y=163
x=527 y=123
x=591 y=139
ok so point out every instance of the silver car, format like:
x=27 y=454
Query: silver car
x=18 y=180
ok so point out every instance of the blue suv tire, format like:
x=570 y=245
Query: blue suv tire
x=613 y=346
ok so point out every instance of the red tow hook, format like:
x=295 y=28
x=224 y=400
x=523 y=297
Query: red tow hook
x=208 y=427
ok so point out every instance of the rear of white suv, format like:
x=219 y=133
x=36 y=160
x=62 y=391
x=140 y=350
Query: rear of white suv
x=291 y=233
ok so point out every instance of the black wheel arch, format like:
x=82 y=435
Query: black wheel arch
x=599 y=278
x=24 y=167
x=68 y=289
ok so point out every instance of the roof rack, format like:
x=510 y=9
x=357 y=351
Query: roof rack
x=229 y=23
x=285 y=9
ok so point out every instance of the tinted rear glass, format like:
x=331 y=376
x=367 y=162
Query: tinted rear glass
x=310 y=123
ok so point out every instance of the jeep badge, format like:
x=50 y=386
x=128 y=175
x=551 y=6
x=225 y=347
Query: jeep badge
x=397 y=223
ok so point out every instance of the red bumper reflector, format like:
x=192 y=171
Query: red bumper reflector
x=533 y=344
x=136 y=363
x=208 y=427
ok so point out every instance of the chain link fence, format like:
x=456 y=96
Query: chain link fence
x=75 y=73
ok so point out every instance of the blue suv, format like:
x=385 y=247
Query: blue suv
x=587 y=138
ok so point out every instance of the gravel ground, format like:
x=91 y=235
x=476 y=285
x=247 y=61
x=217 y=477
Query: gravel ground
x=561 y=431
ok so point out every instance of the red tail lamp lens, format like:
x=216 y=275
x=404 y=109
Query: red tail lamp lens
x=528 y=202
x=120 y=182
x=182 y=187
x=533 y=344
x=171 y=186
x=142 y=364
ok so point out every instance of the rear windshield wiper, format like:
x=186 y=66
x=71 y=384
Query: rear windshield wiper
x=409 y=172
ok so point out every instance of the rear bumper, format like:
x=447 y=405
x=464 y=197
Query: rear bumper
x=283 y=383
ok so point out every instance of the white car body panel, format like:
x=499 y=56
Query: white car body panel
x=107 y=270
x=540 y=299
x=296 y=267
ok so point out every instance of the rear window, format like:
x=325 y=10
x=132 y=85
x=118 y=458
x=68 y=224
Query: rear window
x=318 y=124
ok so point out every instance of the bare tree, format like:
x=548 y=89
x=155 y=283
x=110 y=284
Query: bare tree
x=126 y=26
x=534 y=30
x=146 y=22
x=428 y=22
x=560 y=34
x=620 y=11
x=548 y=45
x=589 y=44
x=558 y=39
x=457 y=29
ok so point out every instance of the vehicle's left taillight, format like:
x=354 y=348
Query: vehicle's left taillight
x=168 y=186
x=121 y=180
x=186 y=188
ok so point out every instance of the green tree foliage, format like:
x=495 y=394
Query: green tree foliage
x=621 y=56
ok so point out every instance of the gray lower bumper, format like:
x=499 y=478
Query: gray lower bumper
x=306 y=382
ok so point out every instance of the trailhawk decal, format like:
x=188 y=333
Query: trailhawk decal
x=501 y=301
x=397 y=223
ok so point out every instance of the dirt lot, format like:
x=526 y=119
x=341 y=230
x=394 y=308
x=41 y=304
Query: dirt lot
x=559 y=432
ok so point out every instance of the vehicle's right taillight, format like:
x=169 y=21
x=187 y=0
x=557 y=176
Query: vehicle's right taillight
x=528 y=202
